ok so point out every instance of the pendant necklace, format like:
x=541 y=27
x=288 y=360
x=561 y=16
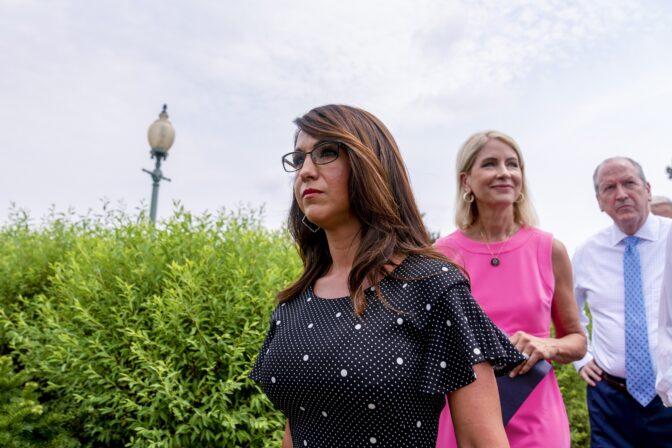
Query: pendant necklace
x=495 y=261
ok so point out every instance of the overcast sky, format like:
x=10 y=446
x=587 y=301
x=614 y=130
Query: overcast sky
x=573 y=82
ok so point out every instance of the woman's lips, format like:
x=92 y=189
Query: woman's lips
x=310 y=192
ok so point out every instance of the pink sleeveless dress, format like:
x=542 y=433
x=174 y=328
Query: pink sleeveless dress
x=516 y=295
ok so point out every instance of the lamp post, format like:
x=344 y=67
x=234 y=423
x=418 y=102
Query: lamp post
x=161 y=136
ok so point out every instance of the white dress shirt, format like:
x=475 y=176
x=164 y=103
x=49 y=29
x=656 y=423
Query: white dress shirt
x=664 y=349
x=598 y=280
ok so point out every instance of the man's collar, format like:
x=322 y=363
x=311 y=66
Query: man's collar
x=648 y=231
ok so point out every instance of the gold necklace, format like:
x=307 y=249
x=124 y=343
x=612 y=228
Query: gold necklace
x=495 y=261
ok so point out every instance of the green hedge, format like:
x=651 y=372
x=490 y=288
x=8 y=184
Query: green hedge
x=145 y=337
x=142 y=337
x=24 y=422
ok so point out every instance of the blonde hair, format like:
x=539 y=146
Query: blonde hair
x=466 y=213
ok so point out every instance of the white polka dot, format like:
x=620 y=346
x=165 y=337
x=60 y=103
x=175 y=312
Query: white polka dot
x=283 y=304
x=268 y=350
x=426 y=285
x=477 y=351
x=305 y=443
x=273 y=379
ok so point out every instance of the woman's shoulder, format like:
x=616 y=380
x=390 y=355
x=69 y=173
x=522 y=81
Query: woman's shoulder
x=449 y=240
x=425 y=269
x=537 y=232
x=421 y=282
x=531 y=239
x=545 y=239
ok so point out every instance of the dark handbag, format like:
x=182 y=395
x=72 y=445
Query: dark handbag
x=514 y=391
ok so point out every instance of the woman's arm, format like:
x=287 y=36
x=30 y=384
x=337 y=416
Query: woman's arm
x=570 y=341
x=287 y=439
x=476 y=413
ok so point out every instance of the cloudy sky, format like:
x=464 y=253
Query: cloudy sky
x=573 y=81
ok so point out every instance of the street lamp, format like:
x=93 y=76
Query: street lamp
x=161 y=136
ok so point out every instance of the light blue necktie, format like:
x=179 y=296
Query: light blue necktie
x=641 y=380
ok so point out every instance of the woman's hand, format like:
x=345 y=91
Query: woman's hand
x=534 y=349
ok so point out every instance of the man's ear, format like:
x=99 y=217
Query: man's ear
x=648 y=190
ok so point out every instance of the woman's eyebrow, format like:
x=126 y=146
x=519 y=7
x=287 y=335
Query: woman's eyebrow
x=319 y=143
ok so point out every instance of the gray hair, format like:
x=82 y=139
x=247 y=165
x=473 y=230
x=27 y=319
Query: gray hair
x=637 y=166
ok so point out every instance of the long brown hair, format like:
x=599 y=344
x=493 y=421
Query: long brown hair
x=380 y=197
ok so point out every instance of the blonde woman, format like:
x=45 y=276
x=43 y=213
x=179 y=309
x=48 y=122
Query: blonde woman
x=520 y=275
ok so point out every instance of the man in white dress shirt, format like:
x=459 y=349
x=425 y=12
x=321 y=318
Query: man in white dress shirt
x=618 y=272
x=664 y=349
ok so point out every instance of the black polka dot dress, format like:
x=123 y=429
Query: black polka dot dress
x=380 y=379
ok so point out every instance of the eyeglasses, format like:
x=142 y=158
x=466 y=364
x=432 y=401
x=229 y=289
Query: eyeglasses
x=322 y=153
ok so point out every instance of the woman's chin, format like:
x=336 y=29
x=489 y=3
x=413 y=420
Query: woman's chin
x=313 y=217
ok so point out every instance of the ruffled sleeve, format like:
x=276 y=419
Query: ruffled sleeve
x=460 y=335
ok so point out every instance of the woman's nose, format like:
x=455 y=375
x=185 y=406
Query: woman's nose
x=308 y=169
x=503 y=170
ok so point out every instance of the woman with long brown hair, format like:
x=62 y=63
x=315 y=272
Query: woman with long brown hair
x=363 y=347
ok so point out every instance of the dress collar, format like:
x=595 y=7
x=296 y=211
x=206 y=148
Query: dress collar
x=480 y=247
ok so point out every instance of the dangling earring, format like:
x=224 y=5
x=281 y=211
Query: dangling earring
x=312 y=227
x=468 y=197
x=520 y=199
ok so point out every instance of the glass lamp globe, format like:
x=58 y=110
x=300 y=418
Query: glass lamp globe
x=161 y=133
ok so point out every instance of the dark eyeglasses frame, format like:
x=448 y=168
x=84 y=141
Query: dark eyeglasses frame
x=317 y=146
